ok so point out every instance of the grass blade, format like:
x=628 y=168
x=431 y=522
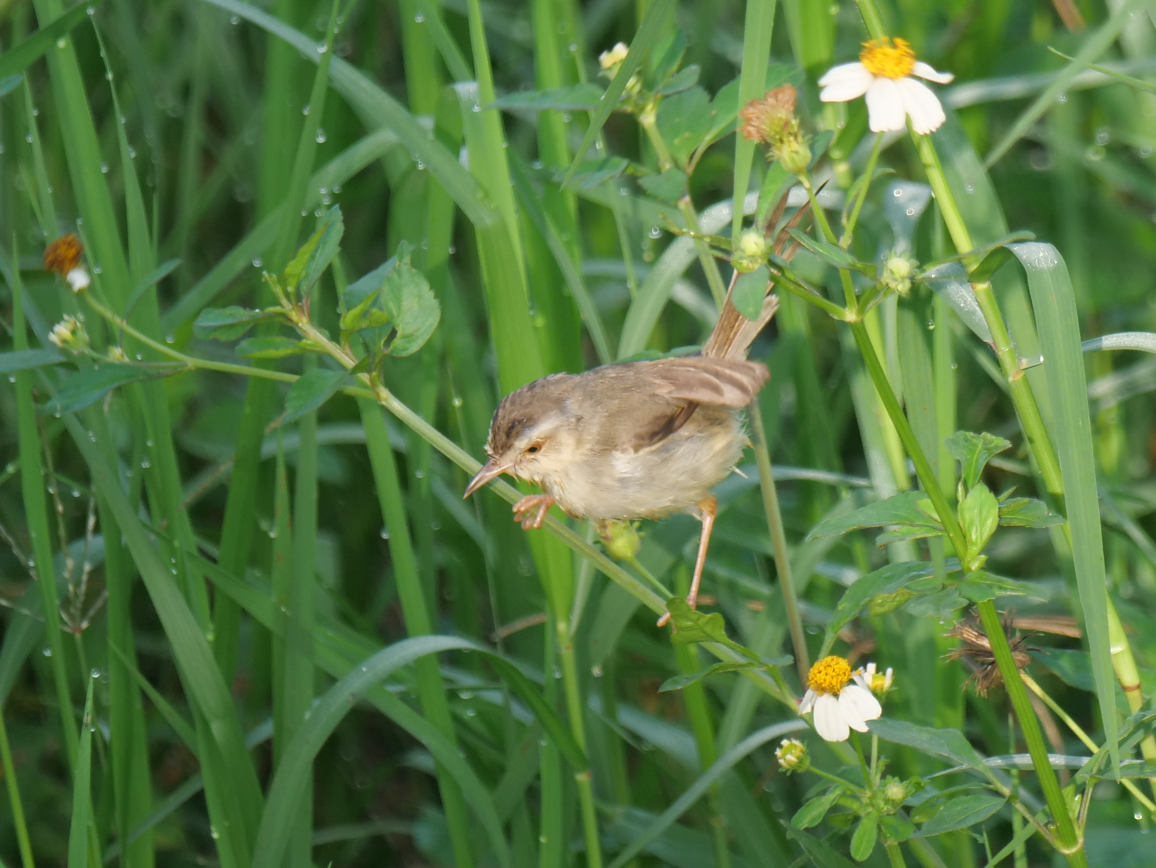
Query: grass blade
x=81 y=794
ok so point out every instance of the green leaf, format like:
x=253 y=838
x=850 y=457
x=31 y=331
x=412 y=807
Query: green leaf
x=960 y=812
x=670 y=186
x=940 y=604
x=819 y=852
x=24 y=360
x=863 y=841
x=82 y=791
x=269 y=348
x=813 y=812
x=979 y=516
x=89 y=385
x=980 y=586
x=692 y=626
x=22 y=55
x=907 y=508
x=410 y=304
x=896 y=828
x=776 y=182
x=1027 y=512
x=591 y=173
x=882 y=582
x=310 y=391
x=684 y=121
x=831 y=254
x=750 y=291
x=227 y=323
x=9 y=83
x=151 y=279
x=974 y=451
x=583 y=96
x=942 y=742
x=680 y=681
x=663 y=60
x=332 y=228
x=684 y=79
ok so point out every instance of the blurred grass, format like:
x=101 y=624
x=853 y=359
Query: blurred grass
x=203 y=153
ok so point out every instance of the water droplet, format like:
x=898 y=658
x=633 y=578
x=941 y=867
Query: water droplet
x=320 y=137
x=257 y=262
x=969 y=188
x=234 y=20
x=322 y=48
x=91 y=10
x=557 y=672
x=655 y=232
x=96 y=673
x=1062 y=98
x=61 y=42
x=305 y=109
x=910 y=212
x=931 y=325
x=145 y=464
x=214 y=834
x=336 y=188
x=384 y=532
x=596 y=671
x=104 y=168
x=476 y=108
x=11 y=378
x=419 y=19
x=897 y=193
x=47 y=652
x=420 y=474
x=170 y=339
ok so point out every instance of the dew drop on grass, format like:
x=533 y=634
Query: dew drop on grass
x=305 y=109
x=419 y=19
x=47 y=652
x=384 y=533
x=234 y=20
x=320 y=137
x=257 y=262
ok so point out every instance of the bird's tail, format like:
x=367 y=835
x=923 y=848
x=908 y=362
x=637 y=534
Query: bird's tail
x=733 y=334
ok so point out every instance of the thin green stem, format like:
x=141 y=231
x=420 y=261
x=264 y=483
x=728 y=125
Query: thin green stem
x=829 y=234
x=778 y=540
x=14 y=800
x=834 y=778
x=783 y=280
x=894 y=854
x=852 y=221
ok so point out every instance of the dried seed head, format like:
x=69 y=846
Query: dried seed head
x=977 y=655
x=771 y=121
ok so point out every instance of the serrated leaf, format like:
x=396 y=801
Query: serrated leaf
x=980 y=586
x=89 y=385
x=684 y=120
x=25 y=360
x=269 y=348
x=670 y=186
x=973 y=452
x=863 y=841
x=411 y=306
x=901 y=509
x=584 y=96
x=750 y=291
x=691 y=625
x=979 y=517
x=680 y=681
x=310 y=391
x=887 y=580
x=227 y=323
x=1027 y=512
x=941 y=604
x=941 y=742
x=813 y=812
x=961 y=812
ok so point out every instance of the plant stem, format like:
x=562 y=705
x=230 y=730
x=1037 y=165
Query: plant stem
x=829 y=234
x=894 y=854
x=14 y=800
x=849 y=229
x=778 y=540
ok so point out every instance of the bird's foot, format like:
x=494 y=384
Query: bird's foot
x=524 y=510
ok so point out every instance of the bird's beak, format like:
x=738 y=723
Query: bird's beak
x=490 y=470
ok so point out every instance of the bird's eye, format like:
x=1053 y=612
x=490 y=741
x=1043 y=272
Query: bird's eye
x=534 y=449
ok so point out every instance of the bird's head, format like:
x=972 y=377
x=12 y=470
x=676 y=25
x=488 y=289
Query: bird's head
x=532 y=434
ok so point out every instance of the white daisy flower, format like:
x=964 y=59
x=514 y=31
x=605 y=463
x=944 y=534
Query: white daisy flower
x=879 y=682
x=883 y=73
x=841 y=700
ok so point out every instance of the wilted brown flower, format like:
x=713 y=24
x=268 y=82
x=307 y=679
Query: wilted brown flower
x=977 y=654
x=63 y=254
x=771 y=121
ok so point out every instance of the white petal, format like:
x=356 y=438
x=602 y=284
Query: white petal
x=926 y=113
x=845 y=86
x=829 y=722
x=885 y=106
x=843 y=72
x=808 y=701
x=923 y=70
x=857 y=706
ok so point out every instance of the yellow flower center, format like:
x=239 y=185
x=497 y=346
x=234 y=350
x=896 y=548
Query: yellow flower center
x=829 y=675
x=888 y=58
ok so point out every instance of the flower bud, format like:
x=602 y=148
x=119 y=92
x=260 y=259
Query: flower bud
x=750 y=253
x=609 y=60
x=898 y=273
x=117 y=354
x=792 y=756
x=69 y=335
x=878 y=682
x=621 y=540
x=893 y=793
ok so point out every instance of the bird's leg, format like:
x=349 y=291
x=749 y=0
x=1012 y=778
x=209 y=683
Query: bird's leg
x=708 y=509
x=523 y=508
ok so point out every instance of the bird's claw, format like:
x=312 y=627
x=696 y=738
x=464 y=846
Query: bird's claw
x=524 y=507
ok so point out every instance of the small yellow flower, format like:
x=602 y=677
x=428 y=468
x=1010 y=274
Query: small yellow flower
x=898 y=273
x=63 y=256
x=609 y=60
x=883 y=74
x=69 y=335
x=792 y=756
x=879 y=682
x=840 y=699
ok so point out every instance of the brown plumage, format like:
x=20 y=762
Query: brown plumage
x=635 y=439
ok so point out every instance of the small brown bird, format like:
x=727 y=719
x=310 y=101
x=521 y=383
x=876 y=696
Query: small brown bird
x=634 y=439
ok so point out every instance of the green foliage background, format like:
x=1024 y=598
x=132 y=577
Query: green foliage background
x=239 y=599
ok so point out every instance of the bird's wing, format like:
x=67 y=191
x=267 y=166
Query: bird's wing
x=689 y=381
x=701 y=380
